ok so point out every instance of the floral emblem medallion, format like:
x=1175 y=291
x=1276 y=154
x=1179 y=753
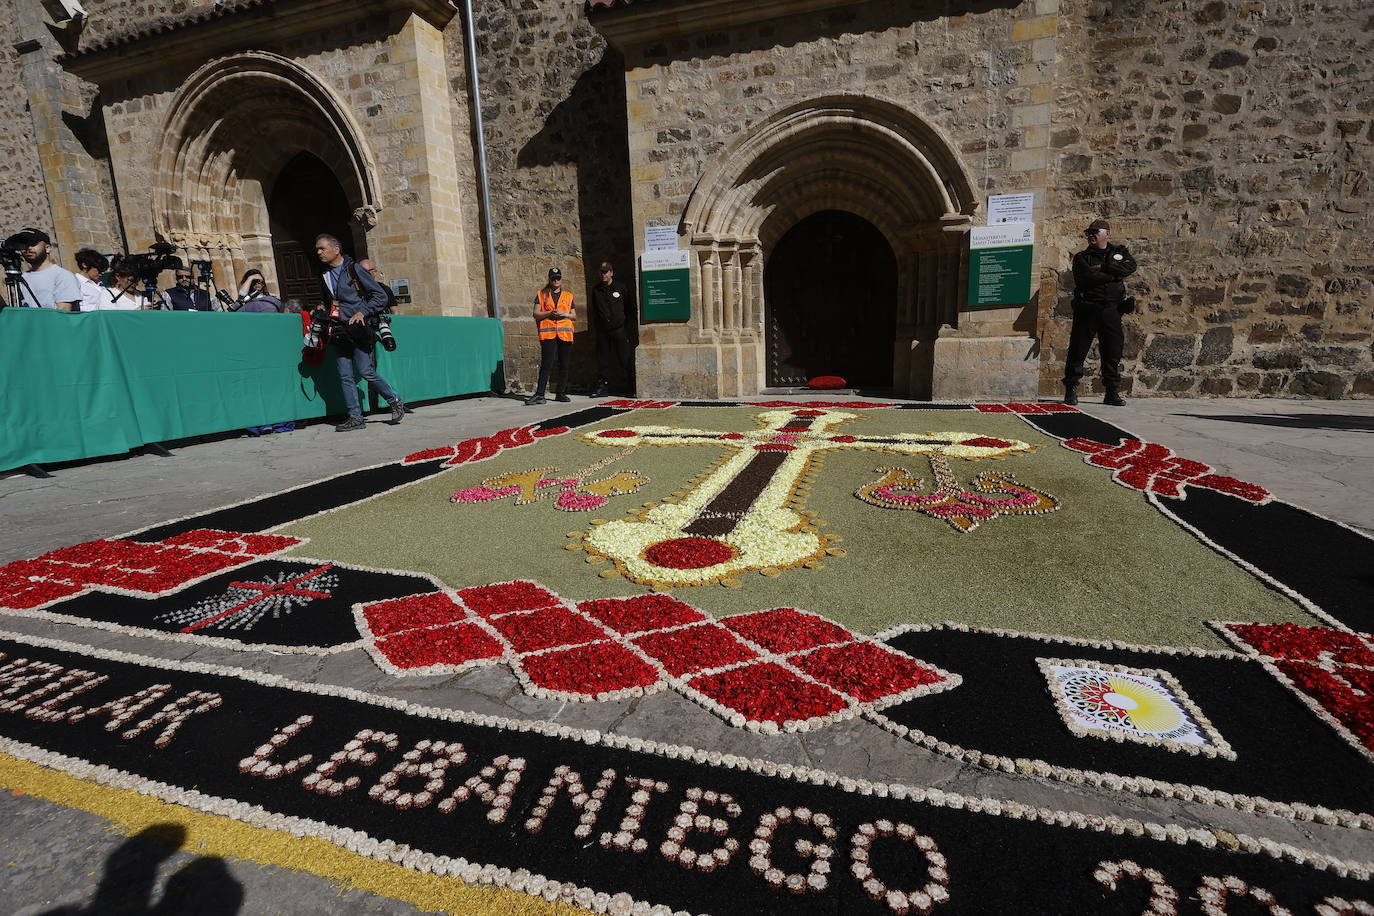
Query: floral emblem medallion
x=1130 y=704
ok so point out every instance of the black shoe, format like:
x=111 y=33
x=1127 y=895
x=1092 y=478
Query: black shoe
x=602 y=390
x=1071 y=395
x=1113 y=399
x=352 y=423
x=534 y=400
x=398 y=411
x=563 y=398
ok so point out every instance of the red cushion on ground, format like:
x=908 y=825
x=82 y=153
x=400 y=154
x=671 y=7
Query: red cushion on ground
x=824 y=382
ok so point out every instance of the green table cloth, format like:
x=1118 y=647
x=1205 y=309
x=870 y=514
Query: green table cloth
x=99 y=383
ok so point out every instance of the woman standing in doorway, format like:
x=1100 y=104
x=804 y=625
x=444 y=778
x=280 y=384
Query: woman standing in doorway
x=554 y=313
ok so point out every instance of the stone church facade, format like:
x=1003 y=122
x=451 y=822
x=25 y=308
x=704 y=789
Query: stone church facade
x=821 y=161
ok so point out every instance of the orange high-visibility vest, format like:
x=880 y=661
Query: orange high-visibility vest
x=562 y=328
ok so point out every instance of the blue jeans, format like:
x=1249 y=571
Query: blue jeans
x=354 y=363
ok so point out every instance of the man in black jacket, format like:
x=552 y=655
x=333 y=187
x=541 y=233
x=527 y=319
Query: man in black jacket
x=610 y=314
x=349 y=295
x=1098 y=297
x=185 y=296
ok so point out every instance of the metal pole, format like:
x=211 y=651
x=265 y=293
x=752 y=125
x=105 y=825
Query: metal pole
x=483 y=188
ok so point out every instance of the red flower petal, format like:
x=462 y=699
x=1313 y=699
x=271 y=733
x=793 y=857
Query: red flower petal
x=695 y=648
x=689 y=553
x=455 y=644
x=787 y=630
x=555 y=626
x=386 y=617
x=506 y=597
x=768 y=692
x=602 y=667
x=865 y=671
x=637 y=615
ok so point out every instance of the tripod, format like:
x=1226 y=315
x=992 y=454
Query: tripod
x=14 y=280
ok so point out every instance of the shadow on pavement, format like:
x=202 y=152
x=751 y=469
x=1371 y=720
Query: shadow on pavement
x=203 y=886
x=1341 y=421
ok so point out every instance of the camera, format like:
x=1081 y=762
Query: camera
x=13 y=248
x=146 y=267
x=318 y=333
x=384 y=335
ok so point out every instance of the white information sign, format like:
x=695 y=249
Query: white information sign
x=660 y=238
x=665 y=260
x=1010 y=208
x=1001 y=236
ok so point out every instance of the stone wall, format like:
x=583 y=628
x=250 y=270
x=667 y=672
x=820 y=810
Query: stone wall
x=982 y=77
x=1230 y=143
x=553 y=101
x=23 y=197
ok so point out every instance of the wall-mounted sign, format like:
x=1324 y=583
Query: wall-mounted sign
x=999 y=265
x=401 y=290
x=1010 y=208
x=665 y=285
x=660 y=238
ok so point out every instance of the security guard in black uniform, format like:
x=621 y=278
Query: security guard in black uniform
x=1099 y=299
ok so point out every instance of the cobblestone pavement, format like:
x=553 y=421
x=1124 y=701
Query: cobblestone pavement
x=1316 y=454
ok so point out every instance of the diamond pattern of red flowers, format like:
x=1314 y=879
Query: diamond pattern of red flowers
x=1335 y=668
x=142 y=567
x=781 y=669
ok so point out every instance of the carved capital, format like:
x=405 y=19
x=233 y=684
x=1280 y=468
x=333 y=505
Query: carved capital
x=366 y=216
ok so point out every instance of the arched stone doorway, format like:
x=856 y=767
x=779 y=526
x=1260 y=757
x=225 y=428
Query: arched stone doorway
x=868 y=157
x=830 y=302
x=307 y=200
x=240 y=134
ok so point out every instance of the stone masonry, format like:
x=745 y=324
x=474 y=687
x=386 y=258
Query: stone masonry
x=1230 y=145
x=1228 y=141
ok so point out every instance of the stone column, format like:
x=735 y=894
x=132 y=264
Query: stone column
x=419 y=235
x=78 y=214
x=730 y=291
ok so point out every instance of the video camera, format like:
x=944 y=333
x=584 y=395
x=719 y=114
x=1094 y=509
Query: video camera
x=12 y=249
x=146 y=267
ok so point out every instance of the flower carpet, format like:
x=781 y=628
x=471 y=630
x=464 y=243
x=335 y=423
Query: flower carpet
x=1018 y=587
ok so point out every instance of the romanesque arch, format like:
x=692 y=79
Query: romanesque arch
x=230 y=130
x=853 y=153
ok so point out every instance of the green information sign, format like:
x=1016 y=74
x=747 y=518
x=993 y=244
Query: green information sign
x=665 y=285
x=999 y=265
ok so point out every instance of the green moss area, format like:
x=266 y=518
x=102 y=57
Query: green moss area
x=1106 y=565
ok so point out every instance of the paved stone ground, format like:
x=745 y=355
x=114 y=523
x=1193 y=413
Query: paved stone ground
x=1315 y=454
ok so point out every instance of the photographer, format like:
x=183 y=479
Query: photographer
x=186 y=296
x=254 y=296
x=1099 y=300
x=349 y=297
x=45 y=284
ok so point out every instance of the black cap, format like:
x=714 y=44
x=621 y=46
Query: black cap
x=1099 y=224
x=555 y=273
x=28 y=235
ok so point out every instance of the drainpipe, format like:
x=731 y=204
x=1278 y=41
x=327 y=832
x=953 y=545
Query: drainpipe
x=483 y=185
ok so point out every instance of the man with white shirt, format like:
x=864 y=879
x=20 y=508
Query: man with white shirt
x=45 y=284
x=90 y=264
